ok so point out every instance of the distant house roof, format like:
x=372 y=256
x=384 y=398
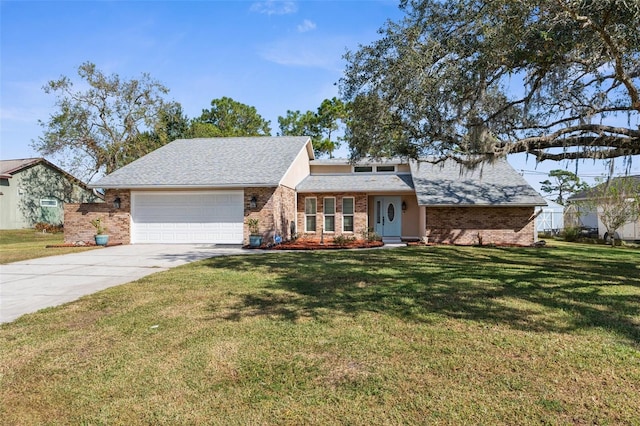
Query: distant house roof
x=8 y=168
x=492 y=184
x=588 y=193
x=211 y=162
x=356 y=183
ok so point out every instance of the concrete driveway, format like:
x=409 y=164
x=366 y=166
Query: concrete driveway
x=31 y=285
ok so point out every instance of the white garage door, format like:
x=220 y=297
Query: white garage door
x=187 y=217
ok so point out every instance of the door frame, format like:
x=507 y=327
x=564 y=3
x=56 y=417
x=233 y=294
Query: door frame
x=382 y=225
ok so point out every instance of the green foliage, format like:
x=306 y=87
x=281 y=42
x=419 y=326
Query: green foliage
x=571 y=233
x=566 y=183
x=99 y=225
x=368 y=234
x=229 y=118
x=439 y=82
x=321 y=125
x=254 y=226
x=98 y=129
x=343 y=240
x=617 y=202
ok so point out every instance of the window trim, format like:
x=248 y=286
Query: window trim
x=352 y=214
x=392 y=167
x=325 y=215
x=314 y=214
x=48 y=202
x=362 y=169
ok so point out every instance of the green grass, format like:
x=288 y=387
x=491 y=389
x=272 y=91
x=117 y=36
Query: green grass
x=25 y=244
x=422 y=335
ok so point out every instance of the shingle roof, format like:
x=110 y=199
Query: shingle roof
x=356 y=183
x=588 y=193
x=211 y=162
x=8 y=167
x=448 y=183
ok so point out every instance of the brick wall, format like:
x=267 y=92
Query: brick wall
x=275 y=209
x=360 y=220
x=481 y=225
x=78 y=217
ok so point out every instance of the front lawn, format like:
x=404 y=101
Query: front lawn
x=25 y=244
x=419 y=335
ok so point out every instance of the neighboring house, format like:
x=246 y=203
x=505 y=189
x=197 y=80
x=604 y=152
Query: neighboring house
x=33 y=190
x=204 y=190
x=587 y=216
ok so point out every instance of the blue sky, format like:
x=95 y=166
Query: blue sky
x=272 y=55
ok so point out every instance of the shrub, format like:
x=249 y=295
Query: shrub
x=48 y=228
x=343 y=240
x=571 y=233
x=369 y=235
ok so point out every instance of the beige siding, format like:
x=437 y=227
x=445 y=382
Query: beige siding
x=298 y=170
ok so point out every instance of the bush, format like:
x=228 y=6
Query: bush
x=369 y=235
x=342 y=240
x=571 y=234
x=48 y=228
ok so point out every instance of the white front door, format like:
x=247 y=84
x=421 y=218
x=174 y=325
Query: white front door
x=388 y=216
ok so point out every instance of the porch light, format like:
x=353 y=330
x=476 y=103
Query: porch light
x=253 y=203
x=116 y=203
x=404 y=206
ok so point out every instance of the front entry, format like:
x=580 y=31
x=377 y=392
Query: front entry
x=388 y=216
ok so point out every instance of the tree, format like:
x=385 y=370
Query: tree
x=477 y=79
x=229 y=118
x=321 y=125
x=617 y=202
x=97 y=130
x=565 y=184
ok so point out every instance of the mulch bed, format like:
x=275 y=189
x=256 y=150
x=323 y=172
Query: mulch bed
x=84 y=244
x=315 y=245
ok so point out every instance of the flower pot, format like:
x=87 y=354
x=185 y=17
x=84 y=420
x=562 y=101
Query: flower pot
x=255 y=240
x=101 y=240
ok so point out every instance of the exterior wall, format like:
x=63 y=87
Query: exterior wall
x=360 y=216
x=78 y=217
x=275 y=209
x=481 y=225
x=21 y=195
x=335 y=169
x=298 y=170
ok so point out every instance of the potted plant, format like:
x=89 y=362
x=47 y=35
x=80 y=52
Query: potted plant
x=255 y=238
x=101 y=238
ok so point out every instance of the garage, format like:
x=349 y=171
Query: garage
x=178 y=217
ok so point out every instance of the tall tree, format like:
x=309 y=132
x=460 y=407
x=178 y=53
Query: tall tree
x=97 y=130
x=565 y=184
x=323 y=126
x=476 y=79
x=227 y=117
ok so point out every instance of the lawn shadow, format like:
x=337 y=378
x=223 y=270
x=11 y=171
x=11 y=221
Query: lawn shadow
x=524 y=288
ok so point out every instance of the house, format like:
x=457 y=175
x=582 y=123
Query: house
x=204 y=190
x=33 y=190
x=583 y=214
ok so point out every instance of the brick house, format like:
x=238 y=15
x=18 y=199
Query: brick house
x=204 y=190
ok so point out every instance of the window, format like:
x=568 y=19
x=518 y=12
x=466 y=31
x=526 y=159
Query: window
x=362 y=169
x=385 y=168
x=47 y=202
x=329 y=210
x=310 y=209
x=347 y=214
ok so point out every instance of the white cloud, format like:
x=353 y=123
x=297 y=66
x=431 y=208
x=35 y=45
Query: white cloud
x=274 y=7
x=306 y=25
x=315 y=52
